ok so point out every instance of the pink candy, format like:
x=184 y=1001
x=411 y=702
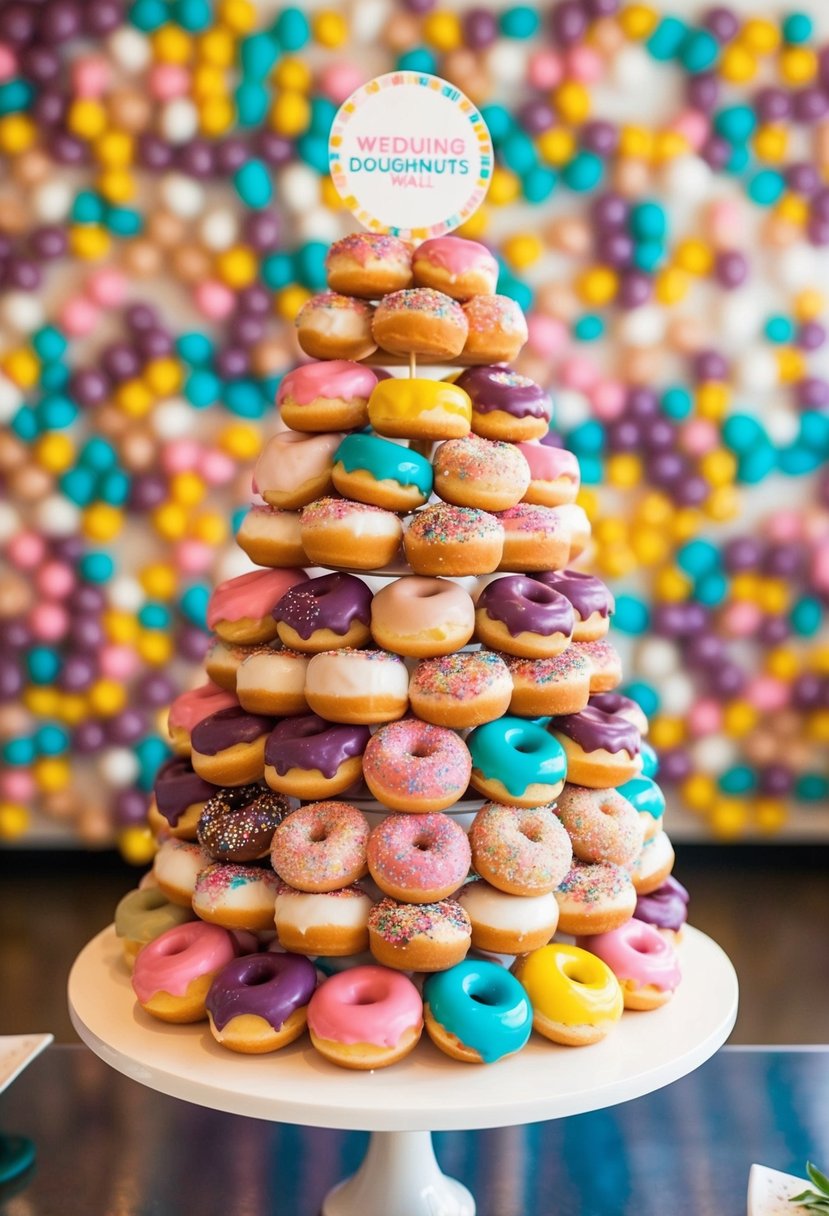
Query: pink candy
x=216 y=468
x=337 y=81
x=48 y=622
x=545 y=70
x=767 y=694
x=26 y=550
x=181 y=455
x=741 y=619
x=705 y=717
x=214 y=300
x=584 y=64
x=91 y=75
x=17 y=785
x=118 y=662
x=194 y=557
x=694 y=126
x=8 y=62
x=78 y=317
x=167 y=81
x=699 y=436
x=55 y=580
x=608 y=399
x=547 y=335
x=107 y=287
x=579 y=373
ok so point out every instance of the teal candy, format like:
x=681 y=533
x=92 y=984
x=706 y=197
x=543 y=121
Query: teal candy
x=150 y=752
x=797 y=28
x=292 y=29
x=499 y=121
x=15 y=95
x=517 y=290
x=584 y=172
x=632 y=615
x=257 y=55
x=699 y=51
x=193 y=15
x=592 y=470
x=738 y=161
x=98 y=454
x=245 y=399
x=645 y=796
x=779 y=329
x=42 y=664
x=711 y=589
x=742 y=432
x=114 y=488
x=667 y=39
x=796 y=461
x=482 y=1005
x=51 y=740
x=698 y=557
x=518 y=753
x=737 y=780
x=587 y=439
x=323 y=113
x=202 y=388
x=756 y=465
x=277 y=270
x=154 y=616
x=418 y=59
x=123 y=221
x=252 y=99
x=25 y=424
x=814 y=430
x=193 y=604
x=677 y=403
x=238 y=518
x=520 y=22
x=589 y=328
x=20 y=752
x=539 y=184
x=54 y=376
x=648 y=221
x=88 y=208
x=253 y=184
x=148 y=15
x=269 y=386
x=766 y=187
x=313 y=150
x=812 y=787
x=649 y=255
x=96 y=567
x=195 y=348
x=735 y=123
x=518 y=152
x=309 y=264
x=385 y=460
x=650 y=760
x=806 y=616
x=55 y=412
x=49 y=343
x=78 y=485
x=645 y=696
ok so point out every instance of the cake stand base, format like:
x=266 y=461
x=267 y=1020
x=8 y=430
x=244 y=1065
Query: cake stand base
x=399 y=1176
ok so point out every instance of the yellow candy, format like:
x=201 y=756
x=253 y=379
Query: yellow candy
x=41 y=701
x=694 y=256
x=739 y=719
x=567 y=984
x=522 y=249
x=115 y=149
x=793 y=209
x=86 y=118
x=718 y=467
x=330 y=198
x=504 y=187
x=89 y=242
x=798 y=64
x=55 y=452
x=107 y=698
x=791 y=364
x=133 y=397
x=738 y=64
x=120 y=627
x=22 y=367
x=117 y=186
x=17 y=134
x=773 y=597
x=588 y=499
x=572 y=102
x=819 y=660
x=666 y=732
x=667 y=145
x=745 y=586
x=241 y=441
x=217 y=48
x=137 y=846
x=442 y=30
x=14 y=820
x=650 y=545
x=556 y=146
x=397 y=407
x=671 y=285
x=475 y=227
x=636 y=142
x=612 y=530
x=808 y=304
x=72 y=708
x=293 y=74
x=771 y=142
x=624 y=470
x=101 y=522
x=617 y=561
x=208 y=81
x=686 y=524
x=770 y=815
x=163 y=375
x=597 y=286
x=782 y=663
x=329 y=27
x=51 y=774
x=723 y=503
x=170 y=521
x=159 y=580
x=290 y=114
x=187 y=489
x=237 y=15
x=712 y=400
x=289 y=301
x=671 y=586
x=729 y=817
x=638 y=20
x=760 y=35
x=211 y=528
x=172 y=45
x=817 y=727
x=155 y=647
x=655 y=508
x=216 y=115
x=237 y=267
x=699 y=791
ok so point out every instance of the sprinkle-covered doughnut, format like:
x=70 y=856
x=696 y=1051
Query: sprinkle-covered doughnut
x=602 y=824
x=523 y=617
x=445 y=539
x=523 y=851
x=461 y=690
x=476 y=472
x=324 y=613
x=415 y=766
x=594 y=898
x=549 y=686
x=339 y=532
x=418 y=858
x=555 y=476
x=497 y=329
x=535 y=538
x=592 y=601
x=513 y=762
x=334 y=326
x=420 y=321
x=259 y=1003
x=385 y=474
x=419 y=937
x=576 y=998
x=605 y=664
x=643 y=961
x=238 y=824
x=321 y=847
x=236 y=896
x=477 y=1012
x=369 y=264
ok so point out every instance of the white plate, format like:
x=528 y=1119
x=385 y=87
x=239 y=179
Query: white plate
x=770 y=1192
x=18 y=1050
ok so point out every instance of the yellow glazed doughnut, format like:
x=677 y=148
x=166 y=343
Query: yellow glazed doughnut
x=331 y=326
x=534 y=539
x=576 y=998
x=421 y=322
x=419 y=409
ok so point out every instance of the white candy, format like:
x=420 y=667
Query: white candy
x=22 y=311
x=174 y=419
x=52 y=200
x=782 y=426
x=9 y=522
x=179 y=120
x=11 y=399
x=320 y=224
x=755 y=370
x=687 y=178
x=219 y=229
x=799 y=266
x=367 y=18
x=233 y=563
x=676 y=694
x=656 y=658
x=181 y=195
x=632 y=68
x=642 y=326
x=126 y=594
x=572 y=409
x=738 y=315
x=507 y=62
x=130 y=49
x=118 y=766
x=714 y=754
x=57 y=516
x=299 y=188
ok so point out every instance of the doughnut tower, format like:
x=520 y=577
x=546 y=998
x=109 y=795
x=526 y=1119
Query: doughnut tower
x=410 y=754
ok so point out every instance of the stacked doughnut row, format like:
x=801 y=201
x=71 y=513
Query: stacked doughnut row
x=344 y=716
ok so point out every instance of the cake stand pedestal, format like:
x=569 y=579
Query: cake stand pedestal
x=425 y=1092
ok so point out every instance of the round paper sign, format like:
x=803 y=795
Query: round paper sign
x=410 y=155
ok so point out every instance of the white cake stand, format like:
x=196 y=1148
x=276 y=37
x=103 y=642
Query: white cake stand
x=402 y=1105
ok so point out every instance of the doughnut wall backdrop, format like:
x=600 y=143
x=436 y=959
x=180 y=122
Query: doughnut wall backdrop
x=659 y=209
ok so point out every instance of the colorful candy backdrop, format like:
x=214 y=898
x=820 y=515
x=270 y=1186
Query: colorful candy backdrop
x=660 y=208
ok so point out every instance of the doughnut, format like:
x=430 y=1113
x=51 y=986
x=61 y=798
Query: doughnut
x=172 y=974
x=308 y=757
x=420 y=409
x=321 y=847
x=476 y=472
x=259 y=1003
x=419 y=321
x=418 y=859
x=576 y=998
x=328 y=396
x=339 y=532
x=477 y=1012
x=228 y=748
x=332 y=326
x=555 y=476
x=331 y=923
x=505 y=404
x=295 y=468
x=365 y=1018
x=618 y=703
x=522 y=617
x=666 y=908
x=513 y=763
x=602 y=825
x=235 y=896
x=272 y=681
x=382 y=473
x=508 y=924
x=239 y=609
x=324 y=614
x=534 y=538
x=179 y=795
x=591 y=600
x=238 y=824
x=222 y=661
x=654 y=864
x=176 y=866
x=576 y=524
x=457 y=267
x=422 y=617
x=368 y=264
x=519 y=850
x=419 y=937
x=497 y=329
x=605 y=665
x=461 y=690
x=444 y=539
x=362 y=686
x=644 y=963
x=648 y=801
x=595 y=897
x=549 y=686
x=271 y=537
x=190 y=708
x=143 y=915
x=414 y=766
x=602 y=749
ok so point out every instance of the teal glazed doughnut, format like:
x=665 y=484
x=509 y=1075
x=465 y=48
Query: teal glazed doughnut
x=647 y=798
x=650 y=760
x=382 y=473
x=477 y=1011
x=513 y=762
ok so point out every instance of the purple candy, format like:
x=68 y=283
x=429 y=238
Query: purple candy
x=48 y=242
x=77 y=673
x=809 y=104
x=704 y=650
x=709 y=365
x=642 y=403
x=776 y=780
x=155 y=343
x=68 y=150
x=820 y=203
x=803 y=178
x=103 y=17
x=806 y=691
x=40 y=63
x=667 y=467
x=536 y=116
x=230 y=155
x=600 y=137
x=635 y=288
x=245 y=331
x=89 y=387
x=721 y=22
x=15 y=634
x=153 y=152
x=773 y=630
x=86 y=633
x=49 y=108
x=727 y=680
x=197 y=158
x=17 y=23
x=127 y=727
x=675 y=765
x=129 y=808
x=22 y=274
x=692 y=491
x=659 y=435
x=615 y=249
x=155 y=690
x=784 y=561
x=88 y=738
x=742 y=553
x=420 y=6
x=87 y=599
x=232 y=362
x=811 y=335
x=602 y=8
x=731 y=268
x=255 y=301
x=275 y=149
x=120 y=361
x=772 y=104
x=192 y=643
x=703 y=91
x=480 y=29
x=141 y=316
x=609 y=211
x=817 y=230
x=812 y=392
x=623 y=436
x=59 y=20
x=147 y=490
x=716 y=152
x=568 y=21
x=11 y=679
x=262 y=231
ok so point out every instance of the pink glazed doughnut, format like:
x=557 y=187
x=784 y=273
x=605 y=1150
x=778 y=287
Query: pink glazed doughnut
x=643 y=961
x=457 y=267
x=365 y=1018
x=419 y=859
x=172 y=974
x=294 y=468
x=554 y=475
x=416 y=767
x=328 y=396
x=239 y=609
x=193 y=707
x=321 y=847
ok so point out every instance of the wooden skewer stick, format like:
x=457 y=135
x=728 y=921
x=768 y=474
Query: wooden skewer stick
x=412 y=365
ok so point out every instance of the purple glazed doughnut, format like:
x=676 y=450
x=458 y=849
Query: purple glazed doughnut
x=326 y=613
x=505 y=404
x=522 y=616
x=259 y=1003
x=228 y=747
x=618 y=703
x=592 y=601
x=602 y=750
x=179 y=796
x=666 y=908
x=309 y=757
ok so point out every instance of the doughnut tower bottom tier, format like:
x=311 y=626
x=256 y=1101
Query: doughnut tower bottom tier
x=408 y=798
